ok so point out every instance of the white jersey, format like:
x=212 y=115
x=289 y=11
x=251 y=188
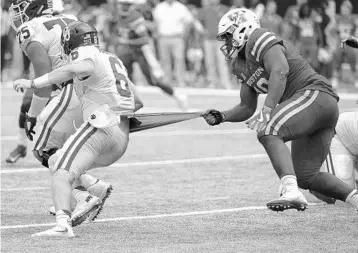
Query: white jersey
x=46 y=30
x=347 y=131
x=108 y=85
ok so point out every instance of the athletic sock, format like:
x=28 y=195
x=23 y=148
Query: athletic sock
x=88 y=180
x=80 y=193
x=21 y=137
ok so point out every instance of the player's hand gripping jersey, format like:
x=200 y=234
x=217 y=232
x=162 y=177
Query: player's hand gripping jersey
x=108 y=85
x=301 y=76
x=47 y=31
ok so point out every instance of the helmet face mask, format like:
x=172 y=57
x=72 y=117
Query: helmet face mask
x=78 y=34
x=22 y=11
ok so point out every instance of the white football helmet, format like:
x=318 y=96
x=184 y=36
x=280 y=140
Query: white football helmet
x=235 y=28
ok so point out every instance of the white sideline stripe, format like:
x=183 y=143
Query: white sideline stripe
x=170 y=133
x=147 y=217
x=25 y=189
x=200 y=92
x=151 y=163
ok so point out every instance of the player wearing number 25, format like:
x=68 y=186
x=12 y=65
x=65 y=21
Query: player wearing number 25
x=300 y=106
x=104 y=92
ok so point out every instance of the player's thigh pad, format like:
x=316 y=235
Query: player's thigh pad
x=58 y=120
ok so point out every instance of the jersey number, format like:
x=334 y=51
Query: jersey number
x=23 y=34
x=261 y=86
x=62 y=22
x=121 y=80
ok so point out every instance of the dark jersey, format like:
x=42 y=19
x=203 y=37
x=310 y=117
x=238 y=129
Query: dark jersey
x=301 y=75
x=130 y=26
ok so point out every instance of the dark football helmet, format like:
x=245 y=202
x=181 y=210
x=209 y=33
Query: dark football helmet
x=78 y=34
x=22 y=11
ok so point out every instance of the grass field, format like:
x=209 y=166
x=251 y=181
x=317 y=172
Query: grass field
x=186 y=187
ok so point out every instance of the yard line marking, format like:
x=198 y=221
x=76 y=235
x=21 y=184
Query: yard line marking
x=171 y=133
x=25 y=189
x=147 y=217
x=151 y=163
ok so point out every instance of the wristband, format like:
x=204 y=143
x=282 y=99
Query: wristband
x=224 y=117
x=41 y=81
x=37 y=105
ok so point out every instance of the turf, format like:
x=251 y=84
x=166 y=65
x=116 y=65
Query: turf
x=174 y=204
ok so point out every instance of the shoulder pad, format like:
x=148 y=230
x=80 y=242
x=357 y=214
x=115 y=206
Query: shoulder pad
x=82 y=53
x=259 y=42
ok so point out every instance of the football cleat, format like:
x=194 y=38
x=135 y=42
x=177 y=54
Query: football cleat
x=182 y=101
x=84 y=208
x=57 y=231
x=322 y=197
x=102 y=190
x=289 y=200
x=16 y=154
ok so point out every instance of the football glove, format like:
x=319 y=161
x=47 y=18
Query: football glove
x=351 y=41
x=214 y=117
x=30 y=123
x=260 y=120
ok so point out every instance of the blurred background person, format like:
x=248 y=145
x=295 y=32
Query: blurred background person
x=257 y=7
x=308 y=34
x=5 y=29
x=173 y=19
x=217 y=70
x=345 y=23
x=291 y=19
x=270 y=19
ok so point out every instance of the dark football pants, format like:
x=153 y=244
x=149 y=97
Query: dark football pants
x=308 y=119
x=128 y=57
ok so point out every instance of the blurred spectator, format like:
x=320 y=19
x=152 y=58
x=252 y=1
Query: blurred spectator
x=308 y=34
x=257 y=7
x=271 y=20
x=345 y=28
x=172 y=19
x=291 y=19
x=194 y=52
x=5 y=28
x=215 y=64
x=237 y=4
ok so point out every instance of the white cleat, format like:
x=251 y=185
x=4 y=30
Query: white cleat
x=57 y=231
x=290 y=199
x=84 y=208
x=182 y=101
x=102 y=190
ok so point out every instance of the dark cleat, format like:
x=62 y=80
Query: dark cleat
x=16 y=154
x=281 y=205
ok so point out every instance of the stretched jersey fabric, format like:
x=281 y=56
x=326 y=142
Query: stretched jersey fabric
x=47 y=31
x=108 y=85
x=301 y=75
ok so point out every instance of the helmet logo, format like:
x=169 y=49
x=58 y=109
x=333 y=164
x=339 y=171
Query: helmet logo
x=66 y=34
x=237 y=17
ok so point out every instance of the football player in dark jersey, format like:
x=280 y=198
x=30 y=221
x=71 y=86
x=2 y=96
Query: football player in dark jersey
x=133 y=44
x=300 y=107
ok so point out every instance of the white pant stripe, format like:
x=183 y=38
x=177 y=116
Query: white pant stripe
x=295 y=111
x=284 y=109
x=40 y=143
x=73 y=145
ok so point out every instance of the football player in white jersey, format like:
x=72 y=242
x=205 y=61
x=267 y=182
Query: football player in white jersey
x=39 y=36
x=105 y=92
